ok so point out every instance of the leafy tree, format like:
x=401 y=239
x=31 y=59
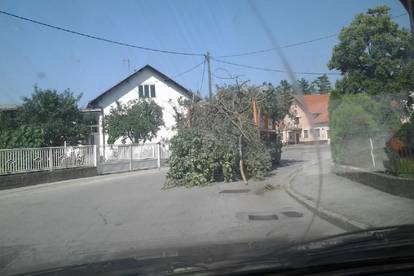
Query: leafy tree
x=373 y=54
x=306 y=87
x=322 y=84
x=277 y=100
x=21 y=137
x=374 y=57
x=138 y=120
x=56 y=114
x=47 y=118
x=219 y=140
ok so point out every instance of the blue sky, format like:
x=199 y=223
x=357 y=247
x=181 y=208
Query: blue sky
x=34 y=55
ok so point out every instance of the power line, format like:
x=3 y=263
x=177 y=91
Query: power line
x=230 y=76
x=99 y=38
x=188 y=70
x=271 y=69
x=224 y=78
x=291 y=45
x=282 y=47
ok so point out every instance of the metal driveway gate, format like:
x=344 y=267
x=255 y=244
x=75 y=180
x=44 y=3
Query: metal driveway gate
x=120 y=158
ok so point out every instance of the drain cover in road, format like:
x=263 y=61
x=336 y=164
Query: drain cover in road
x=263 y=217
x=235 y=191
x=292 y=214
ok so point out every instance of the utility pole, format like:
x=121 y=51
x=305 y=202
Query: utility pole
x=210 y=91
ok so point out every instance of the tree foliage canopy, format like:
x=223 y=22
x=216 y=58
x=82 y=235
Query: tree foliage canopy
x=322 y=84
x=47 y=118
x=21 y=137
x=138 y=120
x=277 y=100
x=306 y=87
x=220 y=140
x=56 y=114
x=374 y=55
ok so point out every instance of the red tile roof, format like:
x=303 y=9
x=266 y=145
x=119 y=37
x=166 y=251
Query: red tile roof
x=317 y=105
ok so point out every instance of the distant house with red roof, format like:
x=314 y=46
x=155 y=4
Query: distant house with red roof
x=310 y=121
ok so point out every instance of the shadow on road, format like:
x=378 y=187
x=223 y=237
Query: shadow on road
x=288 y=162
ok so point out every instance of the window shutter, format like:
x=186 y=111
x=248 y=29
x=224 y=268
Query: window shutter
x=152 y=91
x=141 y=91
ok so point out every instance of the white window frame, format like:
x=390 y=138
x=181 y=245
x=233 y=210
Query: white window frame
x=143 y=85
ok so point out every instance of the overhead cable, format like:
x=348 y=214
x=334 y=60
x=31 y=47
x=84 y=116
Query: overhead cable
x=97 y=37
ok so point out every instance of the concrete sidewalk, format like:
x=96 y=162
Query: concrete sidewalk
x=347 y=202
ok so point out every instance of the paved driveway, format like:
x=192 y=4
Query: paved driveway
x=97 y=218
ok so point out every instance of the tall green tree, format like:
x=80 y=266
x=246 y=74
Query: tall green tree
x=373 y=55
x=306 y=87
x=277 y=100
x=56 y=114
x=322 y=84
x=137 y=120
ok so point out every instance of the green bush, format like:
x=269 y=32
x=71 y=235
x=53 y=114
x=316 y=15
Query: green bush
x=21 y=137
x=398 y=162
x=354 y=119
x=197 y=160
x=258 y=162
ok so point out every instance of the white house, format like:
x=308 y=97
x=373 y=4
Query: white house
x=147 y=82
x=300 y=129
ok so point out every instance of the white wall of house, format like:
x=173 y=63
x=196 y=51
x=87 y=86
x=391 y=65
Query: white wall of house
x=166 y=95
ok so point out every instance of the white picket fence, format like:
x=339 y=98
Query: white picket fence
x=49 y=158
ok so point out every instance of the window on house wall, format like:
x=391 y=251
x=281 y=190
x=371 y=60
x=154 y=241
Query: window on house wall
x=296 y=120
x=317 y=132
x=141 y=91
x=146 y=91
x=305 y=133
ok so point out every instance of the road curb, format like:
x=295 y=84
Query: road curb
x=341 y=221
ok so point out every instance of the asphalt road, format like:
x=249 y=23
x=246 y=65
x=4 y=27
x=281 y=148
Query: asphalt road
x=99 y=218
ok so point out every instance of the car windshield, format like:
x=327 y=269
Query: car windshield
x=134 y=129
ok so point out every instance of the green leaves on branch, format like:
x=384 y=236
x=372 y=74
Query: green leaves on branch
x=322 y=84
x=277 y=101
x=138 y=120
x=21 y=137
x=197 y=160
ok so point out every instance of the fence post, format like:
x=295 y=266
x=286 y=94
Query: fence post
x=130 y=157
x=159 y=155
x=95 y=156
x=50 y=159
